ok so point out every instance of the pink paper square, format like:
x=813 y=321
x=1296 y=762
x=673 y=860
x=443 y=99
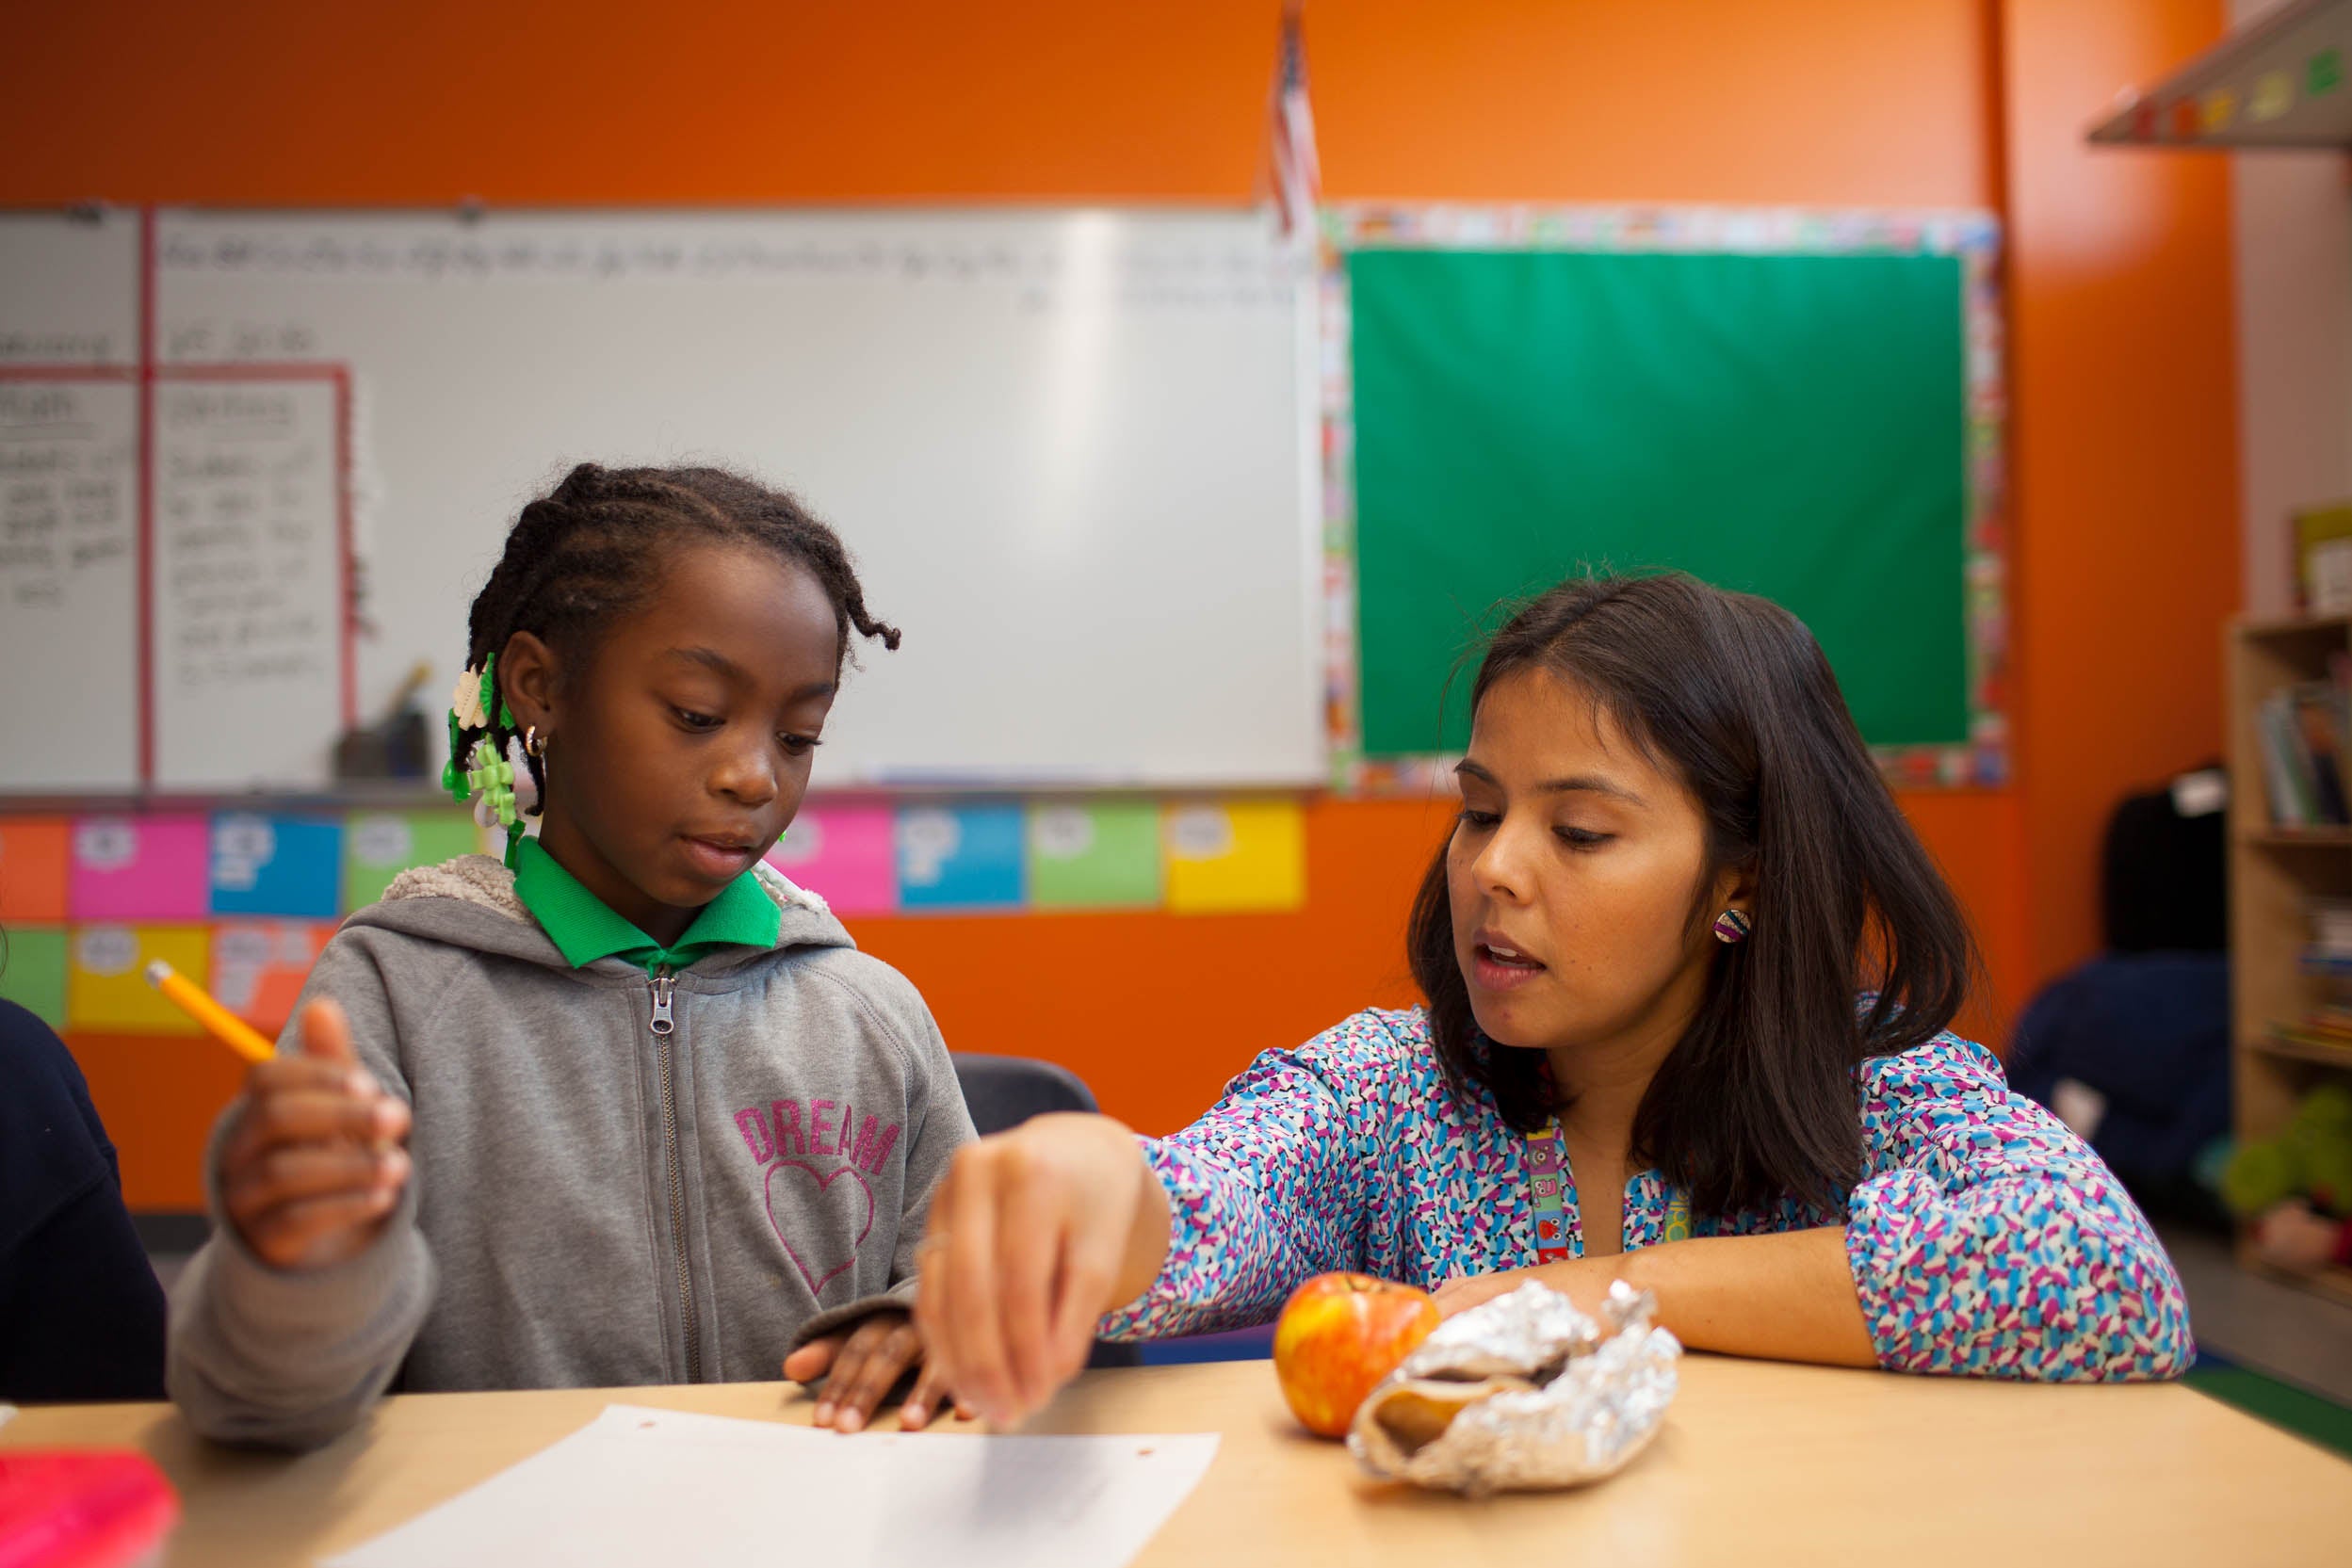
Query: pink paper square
x=141 y=868
x=847 y=854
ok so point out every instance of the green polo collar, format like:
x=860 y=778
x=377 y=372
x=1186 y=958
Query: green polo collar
x=584 y=928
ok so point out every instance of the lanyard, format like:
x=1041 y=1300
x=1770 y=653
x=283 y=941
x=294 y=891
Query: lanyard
x=1557 y=1236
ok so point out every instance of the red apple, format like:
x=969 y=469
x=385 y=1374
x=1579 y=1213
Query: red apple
x=1337 y=1335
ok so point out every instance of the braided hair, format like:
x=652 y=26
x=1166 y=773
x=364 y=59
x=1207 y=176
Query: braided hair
x=588 y=551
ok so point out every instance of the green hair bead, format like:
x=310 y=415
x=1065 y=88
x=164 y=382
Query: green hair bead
x=451 y=779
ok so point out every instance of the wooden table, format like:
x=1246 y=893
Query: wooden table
x=1759 y=1464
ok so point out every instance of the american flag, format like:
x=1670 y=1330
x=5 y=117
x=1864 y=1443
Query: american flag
x=1298 y=182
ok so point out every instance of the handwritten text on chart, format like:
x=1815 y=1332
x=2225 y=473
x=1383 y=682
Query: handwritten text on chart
x=246 y=520
x=66 y=478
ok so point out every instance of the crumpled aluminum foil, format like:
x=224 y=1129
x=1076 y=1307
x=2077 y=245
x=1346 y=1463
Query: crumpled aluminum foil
x=1525 y=1393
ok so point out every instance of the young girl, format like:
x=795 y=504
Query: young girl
x=630 y=1108
x=1642 y=1058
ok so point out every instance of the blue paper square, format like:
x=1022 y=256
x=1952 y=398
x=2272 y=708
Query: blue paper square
x=961 y=857
x=283 y=865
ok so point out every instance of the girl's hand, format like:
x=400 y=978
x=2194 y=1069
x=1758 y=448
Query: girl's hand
x=1035 y=1234
x=861 y=1366
x=315 y=1164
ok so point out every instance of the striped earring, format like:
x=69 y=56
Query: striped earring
x=1731 y=926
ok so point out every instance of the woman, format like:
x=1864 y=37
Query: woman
x=1687 y=974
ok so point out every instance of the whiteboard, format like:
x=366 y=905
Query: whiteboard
x=69 y=289
x=1072 y=451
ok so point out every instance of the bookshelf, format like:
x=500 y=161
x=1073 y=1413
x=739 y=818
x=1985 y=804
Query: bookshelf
x=2273 y=874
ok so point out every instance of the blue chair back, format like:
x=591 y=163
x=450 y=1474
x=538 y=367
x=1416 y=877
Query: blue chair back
x=1004 y=1091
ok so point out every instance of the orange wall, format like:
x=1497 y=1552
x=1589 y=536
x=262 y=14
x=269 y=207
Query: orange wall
x=2122 y=429
x=2123 y=371
x=618 y=101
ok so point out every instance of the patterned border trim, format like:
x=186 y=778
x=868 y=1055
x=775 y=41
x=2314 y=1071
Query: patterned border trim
x=1974 y=238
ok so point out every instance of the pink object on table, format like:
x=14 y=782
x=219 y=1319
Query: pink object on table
x=83 y=1509
x=141 y=868
x=847 y=855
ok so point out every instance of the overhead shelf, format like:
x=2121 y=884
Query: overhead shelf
x=2278 y=82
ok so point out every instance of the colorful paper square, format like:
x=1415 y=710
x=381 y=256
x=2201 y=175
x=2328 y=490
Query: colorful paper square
x=106 y=990
x=258 y=966
x=283 y=865
x=35 y=856
x=847 y=855
x=140 y=868
x=960 y=857
x=377 y=846
x=1101 y=855
x=1236 y=855
x=32 y=972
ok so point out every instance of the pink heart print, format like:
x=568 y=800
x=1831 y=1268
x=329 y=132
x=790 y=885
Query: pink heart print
x=819 y=1269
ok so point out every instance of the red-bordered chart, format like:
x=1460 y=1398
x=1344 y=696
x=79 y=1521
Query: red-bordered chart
x=205 y=507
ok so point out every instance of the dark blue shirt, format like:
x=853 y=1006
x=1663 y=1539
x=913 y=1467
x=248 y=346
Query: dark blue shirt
x=81 y=1316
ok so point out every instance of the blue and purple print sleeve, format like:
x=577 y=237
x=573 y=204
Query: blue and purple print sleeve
x=1989 y=1240
x=1984 y=1238
x=1265 y=1191
x=1347 y=1152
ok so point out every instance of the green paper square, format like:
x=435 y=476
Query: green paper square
x=1790 y=425
x=33 y=976
x=1104 y=855
x=377 y=846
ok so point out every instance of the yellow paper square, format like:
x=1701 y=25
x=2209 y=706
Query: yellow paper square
x=1231 y=855
x=104 y=989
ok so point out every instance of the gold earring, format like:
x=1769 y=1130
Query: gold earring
x=532 y=745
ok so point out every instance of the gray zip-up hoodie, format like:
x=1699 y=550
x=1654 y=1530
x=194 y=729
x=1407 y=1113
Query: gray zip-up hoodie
x=617 y=1179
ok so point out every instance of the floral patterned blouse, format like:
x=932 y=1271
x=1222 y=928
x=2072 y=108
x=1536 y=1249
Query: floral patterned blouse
x=1985 y=1238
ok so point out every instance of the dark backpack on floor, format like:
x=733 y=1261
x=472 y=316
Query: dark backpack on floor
x=2162 y=878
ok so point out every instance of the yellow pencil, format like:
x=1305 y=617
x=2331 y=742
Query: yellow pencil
x=218 y=1021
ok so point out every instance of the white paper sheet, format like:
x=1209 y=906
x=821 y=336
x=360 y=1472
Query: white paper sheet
x=641 y=1487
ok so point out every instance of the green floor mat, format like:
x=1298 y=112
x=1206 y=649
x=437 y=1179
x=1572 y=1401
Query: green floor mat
x=2307 y=1416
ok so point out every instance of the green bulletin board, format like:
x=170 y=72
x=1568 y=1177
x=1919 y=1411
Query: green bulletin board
x=1793 y=424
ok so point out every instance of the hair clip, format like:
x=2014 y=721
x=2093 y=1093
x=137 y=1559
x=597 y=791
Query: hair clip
x=477 y=697
x=494 y=777
x=469 y=705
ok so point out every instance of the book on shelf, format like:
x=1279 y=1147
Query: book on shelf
x=2331 y=924
x=2312 y=1039
x=2326 y=1023
x=2305 y=730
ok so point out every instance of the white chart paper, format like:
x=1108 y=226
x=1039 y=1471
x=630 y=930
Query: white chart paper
x=640 y=1486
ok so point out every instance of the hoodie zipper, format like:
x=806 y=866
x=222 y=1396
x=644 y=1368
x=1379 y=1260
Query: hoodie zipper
x=665 y=1023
